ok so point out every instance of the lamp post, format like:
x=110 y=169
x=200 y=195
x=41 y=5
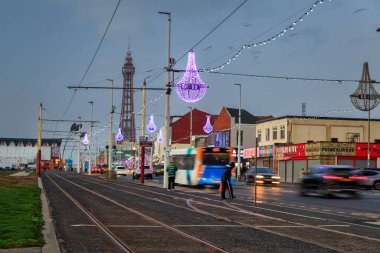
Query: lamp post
x=79 y=134
x=110 y=134
x=191 y=123
x=90 y=146
x=239 y=134
x=167 y=109
x=366 y=98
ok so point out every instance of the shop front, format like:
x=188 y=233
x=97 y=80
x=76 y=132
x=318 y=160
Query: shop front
x=291 y=159
x=264 y=157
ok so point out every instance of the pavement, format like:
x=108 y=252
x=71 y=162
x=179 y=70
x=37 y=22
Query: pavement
x=50 y=238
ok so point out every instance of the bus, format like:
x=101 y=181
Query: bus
x=201 y=166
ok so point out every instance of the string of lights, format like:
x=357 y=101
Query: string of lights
x=267 y=40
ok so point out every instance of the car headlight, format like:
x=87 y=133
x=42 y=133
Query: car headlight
x=260 y=176
x=275 y=177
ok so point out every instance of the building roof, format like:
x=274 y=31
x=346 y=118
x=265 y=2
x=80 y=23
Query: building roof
x=246 y=117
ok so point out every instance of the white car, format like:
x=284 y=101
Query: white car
x=121 y=171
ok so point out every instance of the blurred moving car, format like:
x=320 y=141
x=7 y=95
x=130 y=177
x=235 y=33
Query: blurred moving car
x=129 y=171
x=264 y=176
x=148 y=173
x=121 y=171
x=371 y=178
x=330 y=180
x=159 y=170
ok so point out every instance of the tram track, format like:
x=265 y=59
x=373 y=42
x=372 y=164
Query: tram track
x=262 y=228
x=293 y=224
x=116 y=239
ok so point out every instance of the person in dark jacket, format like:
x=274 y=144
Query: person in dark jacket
x=226 y=181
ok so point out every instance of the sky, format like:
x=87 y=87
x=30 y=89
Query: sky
x=47 y=45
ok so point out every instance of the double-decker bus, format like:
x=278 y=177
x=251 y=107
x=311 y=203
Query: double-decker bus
x=201 y=166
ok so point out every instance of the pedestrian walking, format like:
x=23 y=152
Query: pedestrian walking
x=171 y=170
x=226 y=181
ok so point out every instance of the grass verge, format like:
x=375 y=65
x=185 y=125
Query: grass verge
x=21 y=220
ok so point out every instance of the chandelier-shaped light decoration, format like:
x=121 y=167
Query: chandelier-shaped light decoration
x=160 y=138
x=119 y=136
x=191 y=88
x=151 y=127
x=208 y=127
x=85 y=140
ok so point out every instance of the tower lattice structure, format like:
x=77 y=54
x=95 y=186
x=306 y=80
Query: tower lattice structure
x=127 y=117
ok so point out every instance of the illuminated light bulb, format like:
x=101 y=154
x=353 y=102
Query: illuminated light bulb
x=151 y=127
x=119 y=136
x=160 y=138
x=191 y=88
x=85 y=140
x=208 y=127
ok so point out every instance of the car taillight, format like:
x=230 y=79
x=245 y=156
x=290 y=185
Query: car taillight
x=332 y=177
x=358 y=178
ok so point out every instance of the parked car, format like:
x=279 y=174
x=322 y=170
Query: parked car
x=330 y=180
x=159 y=170
x=264 y=176
x=371 y=178
x=121 y=171
x=148 y=173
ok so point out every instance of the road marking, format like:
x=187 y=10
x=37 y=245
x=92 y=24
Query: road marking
x=334 y=226
x=374 y=222
x=288 y=226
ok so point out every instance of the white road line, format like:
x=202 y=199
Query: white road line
x=374 y=222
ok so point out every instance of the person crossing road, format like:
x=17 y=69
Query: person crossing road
x=226 y=181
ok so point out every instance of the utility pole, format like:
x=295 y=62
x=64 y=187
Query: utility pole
x=110 y=141
x=191 y=123
x=79 y=134
x=38 y=162
x=142 y=159
x=167 y=108
x=90 y=146
x=239 y=135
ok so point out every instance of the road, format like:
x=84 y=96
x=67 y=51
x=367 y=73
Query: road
x=95 y=215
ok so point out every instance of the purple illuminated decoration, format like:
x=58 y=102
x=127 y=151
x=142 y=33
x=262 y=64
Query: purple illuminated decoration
x=151 y=127
x=191 y=88
x=119 y=136
x=208 y=127
x=160 y=138
x=85 y=140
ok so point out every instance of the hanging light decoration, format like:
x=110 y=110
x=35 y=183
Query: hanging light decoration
x=151 y=127
x=119 y=136
x=85 y=140
x=191 y=88
x=160 y=138
x=208 y=127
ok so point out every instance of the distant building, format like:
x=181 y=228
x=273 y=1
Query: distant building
x=20 y=151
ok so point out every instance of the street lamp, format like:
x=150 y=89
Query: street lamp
x=110 y=134
x=239 y=133
x=79 y=135
x=191 y=122
x=89 y=147
x=167 y=109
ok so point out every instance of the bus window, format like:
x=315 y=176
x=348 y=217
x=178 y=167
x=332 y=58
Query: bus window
x=210 y=158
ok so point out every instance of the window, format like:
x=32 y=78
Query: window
x=241 y=137
x=267 y=134
x=282 y=132
x=259 y=135
x=222 y=138
x=274 y=133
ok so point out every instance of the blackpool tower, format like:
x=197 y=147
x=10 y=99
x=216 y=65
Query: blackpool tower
x=127 y=117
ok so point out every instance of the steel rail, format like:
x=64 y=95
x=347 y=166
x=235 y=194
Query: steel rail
x=164 y=225
x=117 y=241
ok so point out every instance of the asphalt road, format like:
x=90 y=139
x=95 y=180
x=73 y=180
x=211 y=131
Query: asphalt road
x=94 y=215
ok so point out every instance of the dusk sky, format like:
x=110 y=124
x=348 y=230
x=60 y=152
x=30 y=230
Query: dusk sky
x=47 y=45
